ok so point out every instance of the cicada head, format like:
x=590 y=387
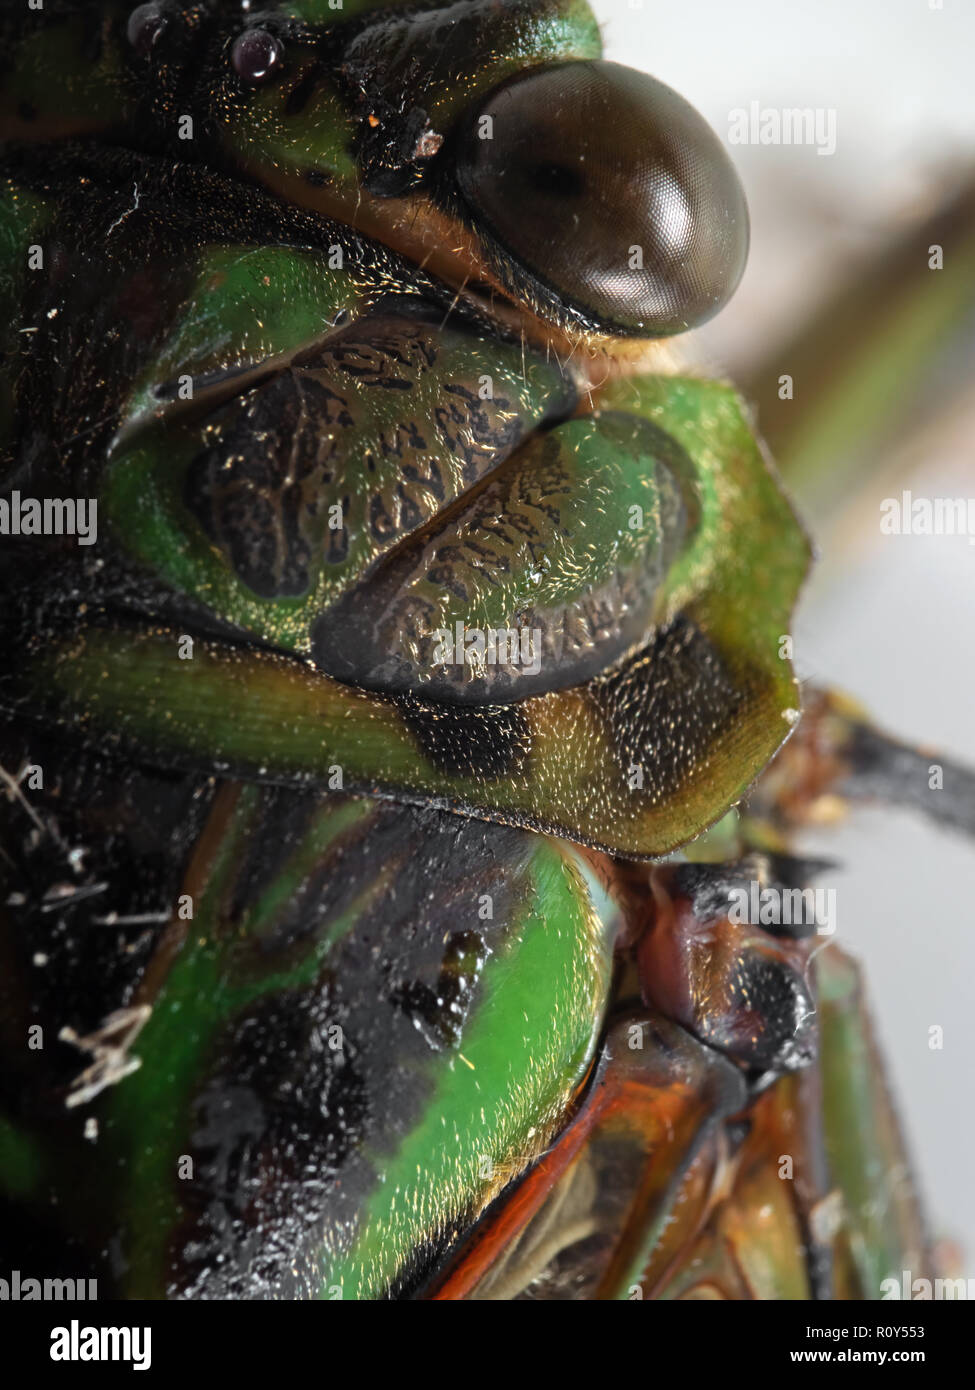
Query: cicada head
x=349 y=333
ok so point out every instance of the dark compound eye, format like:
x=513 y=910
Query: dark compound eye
x=613 y=191
x=256 y=55
x=146 y=26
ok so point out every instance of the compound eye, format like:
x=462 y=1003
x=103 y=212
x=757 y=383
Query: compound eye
x=146 y=26
x=256 y=56
x=612 y=191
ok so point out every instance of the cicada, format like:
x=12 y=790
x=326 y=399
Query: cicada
x=401 y=750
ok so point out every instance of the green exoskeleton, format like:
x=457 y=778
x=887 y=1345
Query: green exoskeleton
x=390 y=634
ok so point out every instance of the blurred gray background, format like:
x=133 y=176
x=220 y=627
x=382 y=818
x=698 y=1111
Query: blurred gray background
x=889 y=619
